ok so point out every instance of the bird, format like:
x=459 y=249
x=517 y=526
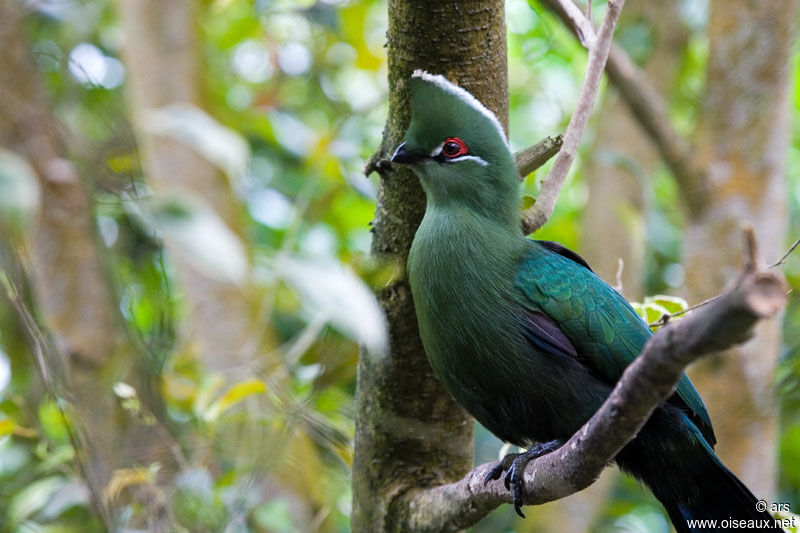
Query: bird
x=522 y=333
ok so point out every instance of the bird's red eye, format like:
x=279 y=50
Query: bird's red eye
x=454 y=147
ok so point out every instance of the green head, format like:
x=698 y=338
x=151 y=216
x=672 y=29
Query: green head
x=459 y=150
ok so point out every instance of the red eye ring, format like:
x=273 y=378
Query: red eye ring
x=454 y=147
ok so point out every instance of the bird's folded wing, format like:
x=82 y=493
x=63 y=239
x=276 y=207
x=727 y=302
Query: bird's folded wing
x=570 y=311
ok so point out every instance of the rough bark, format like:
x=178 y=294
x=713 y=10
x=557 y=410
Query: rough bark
x=409 y=432
x=741 y=142
x=70 y=286
x=164 y=60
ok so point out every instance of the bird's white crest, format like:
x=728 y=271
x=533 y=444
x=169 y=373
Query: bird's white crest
x=462 y=95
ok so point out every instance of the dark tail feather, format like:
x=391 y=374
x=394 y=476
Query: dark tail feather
x=720 y=497
x=698 y=492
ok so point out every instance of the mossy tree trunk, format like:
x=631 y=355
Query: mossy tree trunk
x=409 y=432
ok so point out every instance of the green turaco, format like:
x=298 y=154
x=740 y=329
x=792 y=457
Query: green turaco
x=521 y=332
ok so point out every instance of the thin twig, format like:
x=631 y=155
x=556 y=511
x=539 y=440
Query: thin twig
x=751 y=260
x=647 y=106
x=785 y=256
x=535 y=217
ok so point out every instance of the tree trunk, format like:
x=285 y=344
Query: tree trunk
x=72 y=291
x=741 y=143
x=409 y=432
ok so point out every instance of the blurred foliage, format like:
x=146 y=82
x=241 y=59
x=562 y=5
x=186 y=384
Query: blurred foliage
x=295 y=102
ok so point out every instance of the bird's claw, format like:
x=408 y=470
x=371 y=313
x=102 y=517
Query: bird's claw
x=501 y=466
x=514 y=464
x=515 y=478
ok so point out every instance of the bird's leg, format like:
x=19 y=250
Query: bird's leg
x=515 y=464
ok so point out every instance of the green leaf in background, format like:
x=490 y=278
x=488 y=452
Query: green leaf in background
x=7 y=426
x=332 y=290
x=192 y=229
x=73 y=493
x=528 y=201
x=275 y=515
x=53 y=423
x=672 y=304
x=195 y=504
x=19 y=188
x=200 y=131
x=653 y=308
x=233 y=396
x=33 y=498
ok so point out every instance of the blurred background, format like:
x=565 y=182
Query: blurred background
x=185 y=235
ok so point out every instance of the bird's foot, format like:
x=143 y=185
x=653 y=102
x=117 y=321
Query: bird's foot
x=514 y=464
x=501 y=466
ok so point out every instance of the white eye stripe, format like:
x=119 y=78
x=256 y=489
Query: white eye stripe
x=475 y=158
x=437 y=150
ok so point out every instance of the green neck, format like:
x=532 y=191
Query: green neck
x=456 y=245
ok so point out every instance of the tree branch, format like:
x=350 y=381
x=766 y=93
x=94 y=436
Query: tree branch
x=533 y=157
x=535 y=217
x=649 y=380
x=647 y=106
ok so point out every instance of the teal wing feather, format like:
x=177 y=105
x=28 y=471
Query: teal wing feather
x=602 y=326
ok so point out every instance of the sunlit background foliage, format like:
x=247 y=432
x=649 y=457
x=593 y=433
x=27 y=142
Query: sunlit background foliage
x=297 y=92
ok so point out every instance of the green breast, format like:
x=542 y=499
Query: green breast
x=466 y=306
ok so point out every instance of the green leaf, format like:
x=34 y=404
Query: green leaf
x=233 y=396
x=331 y=291
x=7 y=426
x=33 y=498
x=197 y=129
x=191 y=228
x=52 y=423
x=528 y=201
x=672 y=304
x=649 y=311
x=19 y=188
x=275 y=515
x=73 y=493
x=62 y=454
